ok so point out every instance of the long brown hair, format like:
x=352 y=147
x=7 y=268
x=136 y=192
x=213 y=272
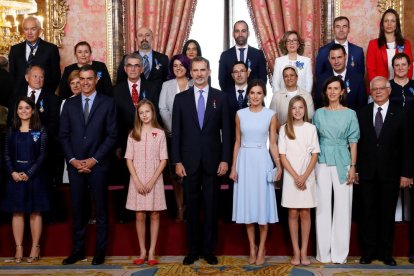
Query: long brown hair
x=136 y=131
x=290 y=132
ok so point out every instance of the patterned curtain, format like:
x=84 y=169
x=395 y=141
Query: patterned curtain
x=169 y=20
x=272 y=18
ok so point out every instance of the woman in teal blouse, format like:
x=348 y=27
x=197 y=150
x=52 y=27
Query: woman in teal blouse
x=338 y=132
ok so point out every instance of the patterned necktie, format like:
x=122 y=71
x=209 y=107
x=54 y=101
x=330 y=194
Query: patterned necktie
x=31 y=55
x=201 y=108
x=135 y=97
x=240 y=98
x=146 y=67
x=33 y=96
x=378 y=122
x=86 y=110
x=242 y=53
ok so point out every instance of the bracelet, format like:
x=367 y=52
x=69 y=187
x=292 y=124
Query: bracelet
x=352 y=165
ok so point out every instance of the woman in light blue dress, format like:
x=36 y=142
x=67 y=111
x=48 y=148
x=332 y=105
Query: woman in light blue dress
x=254 y=199
x=338 y=132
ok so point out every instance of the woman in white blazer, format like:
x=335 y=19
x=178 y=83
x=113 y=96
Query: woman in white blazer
x=280 y=99
x=180 y=80
x=292 y=46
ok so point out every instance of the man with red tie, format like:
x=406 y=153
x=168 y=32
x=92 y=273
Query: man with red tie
x=126 y=96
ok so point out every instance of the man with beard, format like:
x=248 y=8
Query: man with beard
x=155 y=64
x=254 y=58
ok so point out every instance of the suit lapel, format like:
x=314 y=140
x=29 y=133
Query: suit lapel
x=95 y=106
x=210 y=106
x=388 y=119
x=370 y=121
x=191 y=103
x=384 y=55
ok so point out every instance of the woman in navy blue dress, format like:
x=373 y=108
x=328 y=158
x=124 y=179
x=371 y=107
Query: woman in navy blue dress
x=26 y=190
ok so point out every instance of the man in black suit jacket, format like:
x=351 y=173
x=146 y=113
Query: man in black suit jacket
x=123 y=97
x=35 y=51
x=356 y=94
x=254 y=58
x=384 y=165
x=6 y=82
x=201 y=152
x=88 y=133
x=355 y=54
x=158 y=63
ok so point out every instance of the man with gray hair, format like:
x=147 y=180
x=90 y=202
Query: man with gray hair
x=384 y=165
x=35 y=51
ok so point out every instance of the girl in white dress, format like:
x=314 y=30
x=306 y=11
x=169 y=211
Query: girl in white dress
x=299 y=148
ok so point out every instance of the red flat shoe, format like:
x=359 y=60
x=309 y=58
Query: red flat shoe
x=139 y=261
x=152 y=262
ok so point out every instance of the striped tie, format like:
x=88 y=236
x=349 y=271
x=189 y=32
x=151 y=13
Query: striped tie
x=146 y=67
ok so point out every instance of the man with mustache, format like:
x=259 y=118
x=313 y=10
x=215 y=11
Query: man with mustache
x=254 y=58
x=155 y=64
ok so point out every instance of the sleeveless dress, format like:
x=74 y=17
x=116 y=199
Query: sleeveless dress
x=25 y=152
x=254 y=199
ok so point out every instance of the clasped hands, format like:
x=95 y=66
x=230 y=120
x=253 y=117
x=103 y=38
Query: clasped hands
x=143 y=189
x=19 y=176
x=83 y=166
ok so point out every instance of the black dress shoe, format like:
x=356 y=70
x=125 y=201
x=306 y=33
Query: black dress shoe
x=98 y=259
x=211 y=259
x=365 y=260
x=389 y=261
x=73 y=258
x=411 y=259
x=189 y=259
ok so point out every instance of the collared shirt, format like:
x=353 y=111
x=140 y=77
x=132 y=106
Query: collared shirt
x=246 y=47
x=130 y=83
x=37 y=94
x=91 y=100
x=241 y=88
x=345 y=44
x=149 y=55
x=343 y=74
x=383 y=111
x=197 y=94
x=28 y=49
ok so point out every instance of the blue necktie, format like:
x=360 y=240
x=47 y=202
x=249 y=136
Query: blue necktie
x=147 y=68
x=242 y=54
x=378 y=122
x=201 y=108
x=86 y=110
x=240 y=98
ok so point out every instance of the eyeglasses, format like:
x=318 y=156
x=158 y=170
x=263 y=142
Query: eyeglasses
x=135 y=66
x=291 y=41
x=381 y=89
x=239 y=72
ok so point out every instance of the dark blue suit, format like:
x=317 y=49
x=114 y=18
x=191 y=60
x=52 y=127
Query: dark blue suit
x=255 y=61
x=356 y=61
x=233 y=108
x=200 y=151
x=94 y=139
x=356 y=96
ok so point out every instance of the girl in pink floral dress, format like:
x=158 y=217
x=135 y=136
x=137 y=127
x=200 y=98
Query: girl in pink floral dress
x=146 y=157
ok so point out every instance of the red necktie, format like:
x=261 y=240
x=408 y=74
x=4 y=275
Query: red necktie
x=135 y=97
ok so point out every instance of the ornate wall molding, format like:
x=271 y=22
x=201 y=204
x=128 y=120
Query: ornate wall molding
x=56 y=14
x=109 y=38
x=397 y=5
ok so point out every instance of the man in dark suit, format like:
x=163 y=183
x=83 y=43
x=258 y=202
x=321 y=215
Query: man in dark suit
x=127 y=94
x=384 y=165
x=155 y=64
x=355 y=54
x=356 y=95
x=254 y=58
x=201 y=153
x=35 y=51
x=88 y=132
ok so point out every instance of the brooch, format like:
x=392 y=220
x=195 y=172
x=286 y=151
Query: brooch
x=411 y=90
x=352 y=61
x=35 y=135
x=144 y=96
x=348 y=86
x=99 y=75
x=214 y=104
x=154 y=135
x=41 y=108
x=157 y=64
x=400 y=48
x=299 y=64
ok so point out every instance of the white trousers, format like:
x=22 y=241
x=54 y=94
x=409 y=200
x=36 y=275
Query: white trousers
x=332 y=231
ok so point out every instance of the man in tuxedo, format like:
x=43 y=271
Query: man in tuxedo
x=88 y=133
x=35 y=51
x=155 y=64
x=254 y=58
x=356 y=95
x=355 y=55
x=127 y=94
x=201 y=153
x=384 y=165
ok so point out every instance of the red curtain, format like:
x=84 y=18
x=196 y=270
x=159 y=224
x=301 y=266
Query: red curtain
x=272 y=18
x=169 y=20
